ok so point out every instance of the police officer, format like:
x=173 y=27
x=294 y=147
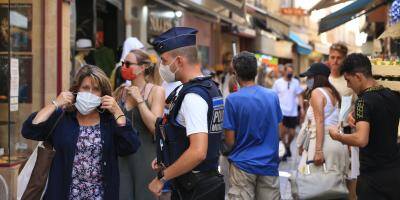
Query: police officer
x=188 y=138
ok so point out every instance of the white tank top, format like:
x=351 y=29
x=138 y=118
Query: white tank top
x=331 y=112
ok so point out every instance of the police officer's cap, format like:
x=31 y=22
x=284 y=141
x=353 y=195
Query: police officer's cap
x=174 y=38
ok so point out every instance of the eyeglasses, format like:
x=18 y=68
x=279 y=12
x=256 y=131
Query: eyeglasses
x=128 y=64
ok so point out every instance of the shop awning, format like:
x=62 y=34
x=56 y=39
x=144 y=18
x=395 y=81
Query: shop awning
x=347 y=13
x=325 y=4
x=116 y=3
x=271 y=22
x=209 y=7
x=301 y=46
x=391 y=32
x=236 y=6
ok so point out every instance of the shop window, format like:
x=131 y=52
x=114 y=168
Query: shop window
x=20 y=61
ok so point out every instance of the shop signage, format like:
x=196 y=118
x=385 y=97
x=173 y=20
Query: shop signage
x=14 y=84
x=159 y=24
x=294 y=11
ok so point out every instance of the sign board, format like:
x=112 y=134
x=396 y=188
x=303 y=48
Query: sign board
x=14 y=84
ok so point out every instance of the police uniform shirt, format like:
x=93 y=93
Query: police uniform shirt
x=193 y=113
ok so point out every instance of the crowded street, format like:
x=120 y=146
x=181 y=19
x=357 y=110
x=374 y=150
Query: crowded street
x=199 y=99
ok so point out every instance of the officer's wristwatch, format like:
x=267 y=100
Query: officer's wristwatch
x=160 y=176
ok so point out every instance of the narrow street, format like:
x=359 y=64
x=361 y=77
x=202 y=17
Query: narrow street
x=286 y=167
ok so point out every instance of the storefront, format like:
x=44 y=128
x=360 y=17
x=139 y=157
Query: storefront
x=34 y=56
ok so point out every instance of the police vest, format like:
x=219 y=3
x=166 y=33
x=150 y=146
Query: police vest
x=171 y=137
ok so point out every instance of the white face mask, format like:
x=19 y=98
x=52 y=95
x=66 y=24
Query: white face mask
x=86 y=102
x=166 y=74
x=310 y=83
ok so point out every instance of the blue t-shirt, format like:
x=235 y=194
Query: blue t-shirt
x=254 y=114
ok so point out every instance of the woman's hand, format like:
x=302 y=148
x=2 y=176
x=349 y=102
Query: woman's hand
x=319 y=158
x=111 y=105
x=134 y=92
x=155 y=166
x=64 y=98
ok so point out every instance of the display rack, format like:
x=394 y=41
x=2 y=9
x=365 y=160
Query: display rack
x=388 y=76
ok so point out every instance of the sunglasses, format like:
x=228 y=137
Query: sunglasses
x=128 y=64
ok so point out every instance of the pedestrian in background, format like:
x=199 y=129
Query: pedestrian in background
x=377 y=116
x=337 y=53
x=251 y=121
x=142 y=103
x=88 y=138
x=290 y=98
x=130 y=44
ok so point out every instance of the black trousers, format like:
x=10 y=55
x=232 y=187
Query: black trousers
x=209 y=188
x=379 y=185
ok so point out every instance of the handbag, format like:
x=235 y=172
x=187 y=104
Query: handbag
x=303 y=139
x=38 y=180
x=318 y=183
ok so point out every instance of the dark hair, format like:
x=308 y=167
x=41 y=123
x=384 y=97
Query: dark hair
x=357 y=63
x=323 y=81
x=245 y=65
x=339 y=46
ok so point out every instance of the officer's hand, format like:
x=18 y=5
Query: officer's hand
x=155 y=166
x=156 y=187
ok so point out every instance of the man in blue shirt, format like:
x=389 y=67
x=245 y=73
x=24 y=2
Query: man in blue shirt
x=251 y=119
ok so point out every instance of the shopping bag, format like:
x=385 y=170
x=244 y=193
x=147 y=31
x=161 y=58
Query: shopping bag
x=318 y=183
x=40 y=171
x=25 y=174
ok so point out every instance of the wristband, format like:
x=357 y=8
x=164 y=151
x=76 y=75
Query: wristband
x=116 y=119
x=54 y=103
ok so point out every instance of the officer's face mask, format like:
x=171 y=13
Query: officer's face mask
x=310 y=83
x=86 y=102
x=166 y=74
x=289 y=75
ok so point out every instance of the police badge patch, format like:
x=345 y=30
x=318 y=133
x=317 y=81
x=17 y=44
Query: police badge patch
x=217 y=116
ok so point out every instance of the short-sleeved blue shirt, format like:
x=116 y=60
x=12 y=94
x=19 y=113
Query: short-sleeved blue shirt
x=254 y=114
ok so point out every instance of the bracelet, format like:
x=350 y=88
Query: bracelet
x=54 y=103
x=138 y=103
x=116 y=119
x=319 y=151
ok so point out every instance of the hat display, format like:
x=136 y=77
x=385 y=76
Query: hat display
x=317 y=69
x=130 y=44
x=84 y=44
x=174 y=38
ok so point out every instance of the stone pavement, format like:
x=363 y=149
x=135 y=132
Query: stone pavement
x=288 y=166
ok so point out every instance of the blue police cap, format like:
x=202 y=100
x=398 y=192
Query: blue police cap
x=174 y=38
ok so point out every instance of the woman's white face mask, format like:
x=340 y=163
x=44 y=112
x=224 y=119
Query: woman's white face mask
x=86 y=102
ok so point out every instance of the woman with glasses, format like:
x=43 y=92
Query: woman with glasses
x=142 y=103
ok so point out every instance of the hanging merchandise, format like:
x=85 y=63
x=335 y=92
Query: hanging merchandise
x=395 y=12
